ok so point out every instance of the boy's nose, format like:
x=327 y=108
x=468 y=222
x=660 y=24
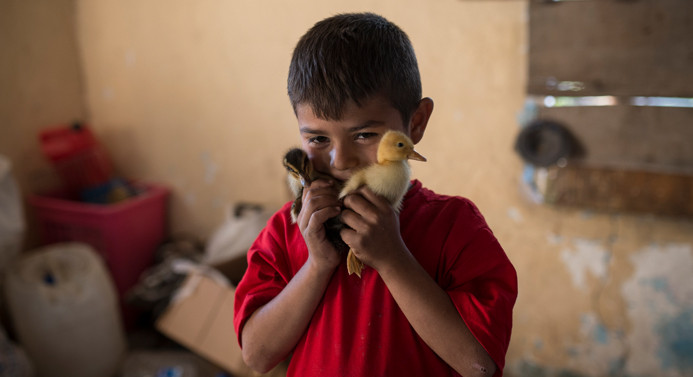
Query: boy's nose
x=343 y=157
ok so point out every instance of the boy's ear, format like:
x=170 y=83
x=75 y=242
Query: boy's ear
x=419 y=120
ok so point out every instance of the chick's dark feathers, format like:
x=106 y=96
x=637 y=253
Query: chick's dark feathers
x=301 y=174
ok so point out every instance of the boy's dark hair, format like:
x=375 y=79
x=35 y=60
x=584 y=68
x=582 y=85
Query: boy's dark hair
x=354 y=57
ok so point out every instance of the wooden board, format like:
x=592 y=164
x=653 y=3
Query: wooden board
x=620 y=190
x=623 y=48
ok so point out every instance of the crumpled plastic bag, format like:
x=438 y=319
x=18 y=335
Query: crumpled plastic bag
x=157 y=284
x=234 y=237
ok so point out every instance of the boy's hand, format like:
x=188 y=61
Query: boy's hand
x=320 y=203
x=374 y=236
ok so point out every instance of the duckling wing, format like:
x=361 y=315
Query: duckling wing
x=295 y=185
x=390 y=181
x=357 y=180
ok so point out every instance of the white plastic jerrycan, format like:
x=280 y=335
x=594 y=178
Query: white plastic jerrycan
x=64 y=309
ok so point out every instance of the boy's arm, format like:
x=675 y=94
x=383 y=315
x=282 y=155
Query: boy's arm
x=376 y=241
x=434 y=317
x=273 y=330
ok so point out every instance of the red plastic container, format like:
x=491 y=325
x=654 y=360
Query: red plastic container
x=79 y=158
x=126 y=233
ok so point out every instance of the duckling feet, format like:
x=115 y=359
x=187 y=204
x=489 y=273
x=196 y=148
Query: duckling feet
x=354 y=265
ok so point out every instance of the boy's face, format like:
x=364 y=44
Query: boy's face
x=340 y=147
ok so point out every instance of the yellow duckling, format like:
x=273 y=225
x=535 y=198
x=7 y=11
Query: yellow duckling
x=388 y=177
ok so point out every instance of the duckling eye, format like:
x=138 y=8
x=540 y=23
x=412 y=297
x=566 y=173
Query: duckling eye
x=400 y=145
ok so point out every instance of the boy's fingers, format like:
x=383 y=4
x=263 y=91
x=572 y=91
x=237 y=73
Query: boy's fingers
x=320 y=191
x=352 y=219
x=317 y=197
x=319 y=188
x=357 y=211
x=315 y=204
x=366 y=208
x=349 y=237
x=320 y=216
x=372 y=197
x=320 y=183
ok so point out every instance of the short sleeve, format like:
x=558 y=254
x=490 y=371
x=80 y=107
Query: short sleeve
x=265 y=277
x=483 y=288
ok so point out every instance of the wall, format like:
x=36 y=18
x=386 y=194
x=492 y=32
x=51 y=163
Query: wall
x=195 y=95
x=192 y=94
x=41 y=81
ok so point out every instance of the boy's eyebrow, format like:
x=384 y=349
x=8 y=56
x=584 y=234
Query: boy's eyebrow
x=306 y=130
x=367 y=124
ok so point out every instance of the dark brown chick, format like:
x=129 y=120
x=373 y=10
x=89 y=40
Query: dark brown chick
x=301 y=174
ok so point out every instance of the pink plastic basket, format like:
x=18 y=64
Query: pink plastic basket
x=126 y=233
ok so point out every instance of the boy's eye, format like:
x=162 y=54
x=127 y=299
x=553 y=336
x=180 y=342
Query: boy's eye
x=318 y=139
x=365 y=135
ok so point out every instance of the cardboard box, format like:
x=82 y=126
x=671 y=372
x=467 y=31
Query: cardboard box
x=202 y=320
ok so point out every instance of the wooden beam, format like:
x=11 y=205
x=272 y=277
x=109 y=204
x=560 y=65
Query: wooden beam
x=620 y=190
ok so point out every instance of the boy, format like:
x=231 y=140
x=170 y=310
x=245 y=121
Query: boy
x=437 y=292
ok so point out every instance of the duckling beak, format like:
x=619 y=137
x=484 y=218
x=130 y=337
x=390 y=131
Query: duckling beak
x=414 y=155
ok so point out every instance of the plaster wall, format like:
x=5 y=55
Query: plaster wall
x=195 y=95
x=40 y=82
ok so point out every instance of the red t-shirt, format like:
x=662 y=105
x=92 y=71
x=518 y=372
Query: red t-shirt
x=358 y=329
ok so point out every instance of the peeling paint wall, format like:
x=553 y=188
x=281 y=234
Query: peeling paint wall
x=609 y=295
x=659 y=300
x=192 y=95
